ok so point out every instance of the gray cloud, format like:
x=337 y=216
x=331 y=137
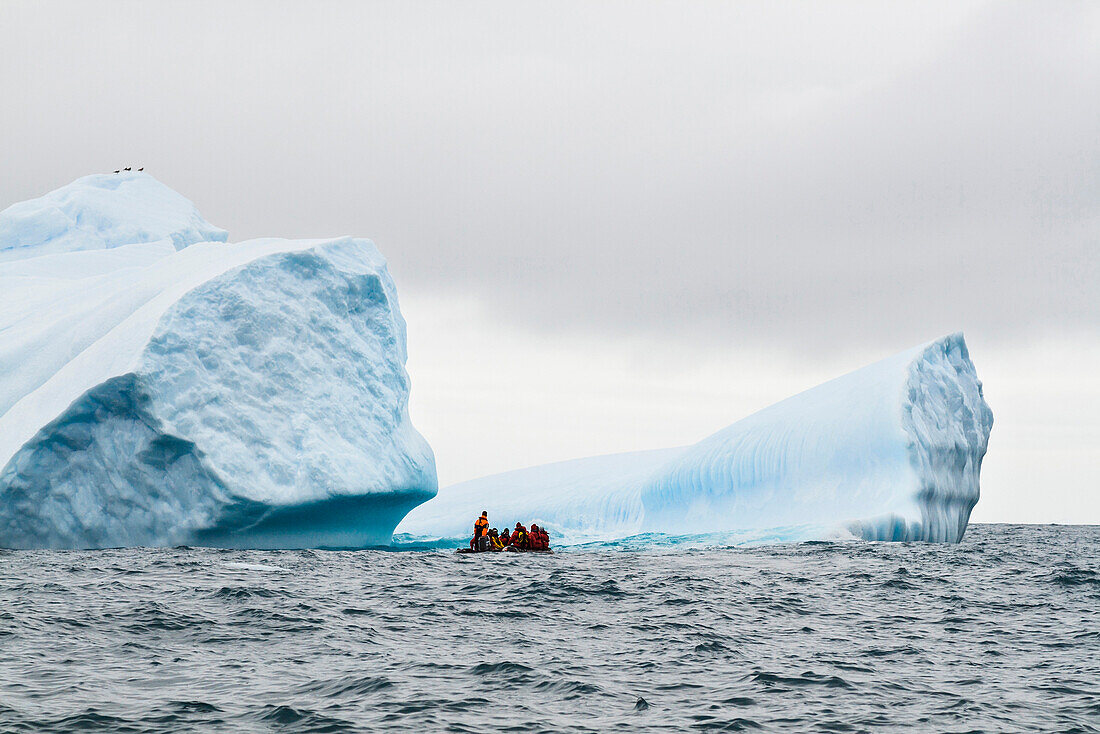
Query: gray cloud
x=778 y=174
x=784 y=190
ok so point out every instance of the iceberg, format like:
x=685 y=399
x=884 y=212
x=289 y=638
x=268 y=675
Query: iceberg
x=892 y=451
x=162 y=386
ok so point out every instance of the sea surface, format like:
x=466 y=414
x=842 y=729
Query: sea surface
x=1000 y=633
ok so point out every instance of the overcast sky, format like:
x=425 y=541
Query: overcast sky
x=618 y=226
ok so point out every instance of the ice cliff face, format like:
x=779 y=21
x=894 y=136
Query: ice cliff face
x=161 y=386
x=889 y=452
x=947 y=422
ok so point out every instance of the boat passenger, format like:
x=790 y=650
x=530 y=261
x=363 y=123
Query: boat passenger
x=484 y=543
x=519 y=537
x=545 y=538
x=534 y=538
x=481 y=527
x=505 y=539
x=494 y=538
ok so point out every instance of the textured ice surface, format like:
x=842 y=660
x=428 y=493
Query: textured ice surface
x=169 y=390
x=888 y=452
x=595 y=498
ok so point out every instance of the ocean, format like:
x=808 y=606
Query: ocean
x=999 y=633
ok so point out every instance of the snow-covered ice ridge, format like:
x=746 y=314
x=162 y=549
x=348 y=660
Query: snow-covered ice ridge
x=100 y=212
x=892 y=451
x=161 y=386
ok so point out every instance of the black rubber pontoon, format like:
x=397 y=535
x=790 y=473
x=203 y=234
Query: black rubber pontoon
x=509 y=549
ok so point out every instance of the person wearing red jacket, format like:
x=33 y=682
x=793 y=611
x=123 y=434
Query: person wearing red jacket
x=544 y=539
x=519 y=537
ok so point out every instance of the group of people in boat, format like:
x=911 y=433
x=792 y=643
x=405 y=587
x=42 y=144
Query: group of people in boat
x=488 y=539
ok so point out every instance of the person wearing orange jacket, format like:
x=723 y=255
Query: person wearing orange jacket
x=481 y=527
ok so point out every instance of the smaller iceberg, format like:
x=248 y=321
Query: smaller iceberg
x=892 y=451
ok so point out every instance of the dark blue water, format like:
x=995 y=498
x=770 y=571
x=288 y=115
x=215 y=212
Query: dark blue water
x=1000 y=633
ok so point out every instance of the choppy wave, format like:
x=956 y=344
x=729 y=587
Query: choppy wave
x=648 y=634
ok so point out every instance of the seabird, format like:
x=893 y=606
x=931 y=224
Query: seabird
x=142 y=168
x=118 y=171
x=126 y=169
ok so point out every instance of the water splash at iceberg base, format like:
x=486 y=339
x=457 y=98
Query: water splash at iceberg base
x=656 y=541
x=892 y=452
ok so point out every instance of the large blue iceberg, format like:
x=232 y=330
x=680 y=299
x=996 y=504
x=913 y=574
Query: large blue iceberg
x=892 y=451
x=161 y=386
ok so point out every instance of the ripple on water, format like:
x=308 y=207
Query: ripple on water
x=808 y=637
